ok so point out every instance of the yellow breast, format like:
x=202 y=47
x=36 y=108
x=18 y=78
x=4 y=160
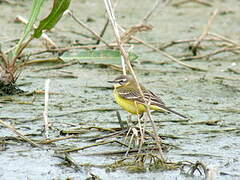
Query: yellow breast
x=129 y=105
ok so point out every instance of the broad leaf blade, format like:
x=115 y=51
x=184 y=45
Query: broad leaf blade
x=97 y=56
x=59 y=6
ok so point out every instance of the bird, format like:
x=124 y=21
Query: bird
x=129 y=97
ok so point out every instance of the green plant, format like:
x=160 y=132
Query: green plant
x=9 y=67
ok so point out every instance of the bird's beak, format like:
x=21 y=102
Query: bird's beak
x=111 y=81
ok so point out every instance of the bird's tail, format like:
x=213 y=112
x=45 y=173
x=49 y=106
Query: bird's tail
x=166 y=109
x=174 y=112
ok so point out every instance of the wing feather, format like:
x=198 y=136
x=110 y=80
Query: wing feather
x=149 y=97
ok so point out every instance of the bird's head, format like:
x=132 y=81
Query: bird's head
x=122 y=80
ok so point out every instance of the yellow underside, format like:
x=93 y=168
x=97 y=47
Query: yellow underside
x=133 y=107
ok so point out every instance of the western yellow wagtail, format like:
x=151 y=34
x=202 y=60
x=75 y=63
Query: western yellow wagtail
x=128 y=96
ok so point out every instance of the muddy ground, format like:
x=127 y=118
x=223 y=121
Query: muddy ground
x=83 y=98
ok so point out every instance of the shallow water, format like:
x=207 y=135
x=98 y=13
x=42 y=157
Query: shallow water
x=200 y=95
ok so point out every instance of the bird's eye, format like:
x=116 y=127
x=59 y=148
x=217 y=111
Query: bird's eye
x=121 y=82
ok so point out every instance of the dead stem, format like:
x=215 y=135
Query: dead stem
x=235 y=71
x=13 y=129
x=197 y=166
x=210 y=122
x=120 y=120
x=229 y=77
x=196 y=44
x=109 y=135
x=212 y=131
x=193 y=1
x=102 y=129
x=37 y=61
x=142 y=133
x=141 y=130
x=56 y=66
x=93 y=145
x=103 y=30
x=182 y=41
x=134 y=134
x=157 y=138
x=124 y=55
x=224 y=38
x=87 y=28
x=167 y=55
x=149 y=61
x=122 y=152
x=126 y=36
x=69 y=159
x=45 y=112
x=149 y=14
x=57 y=139
x=125 y=59
x=218 y=51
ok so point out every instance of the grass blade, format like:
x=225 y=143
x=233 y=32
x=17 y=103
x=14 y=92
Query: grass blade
x=36 y=6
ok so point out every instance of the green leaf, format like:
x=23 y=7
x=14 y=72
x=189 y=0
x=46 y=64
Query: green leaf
x=36 y=6
x=59 y=6
x=97 y=56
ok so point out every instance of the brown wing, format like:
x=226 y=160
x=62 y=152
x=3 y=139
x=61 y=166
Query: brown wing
x=132 y=94
x=154 y=100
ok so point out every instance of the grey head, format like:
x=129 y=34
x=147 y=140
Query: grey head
x=121 y=80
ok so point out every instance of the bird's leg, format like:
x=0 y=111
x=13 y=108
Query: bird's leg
x=129 y=120
x=120 y=120
x=141 y=115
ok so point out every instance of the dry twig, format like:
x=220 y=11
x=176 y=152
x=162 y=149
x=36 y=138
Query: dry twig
x=13 y=129
x=218 y=51
x=194 y=1
x=125 y=59
x=224 y=38
x=87 y=28
x=124 y=55
x=204 y=33
x=45 y=112
x=168 y=55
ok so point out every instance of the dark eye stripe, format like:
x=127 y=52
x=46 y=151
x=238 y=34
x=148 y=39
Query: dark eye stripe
x=121 y=80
